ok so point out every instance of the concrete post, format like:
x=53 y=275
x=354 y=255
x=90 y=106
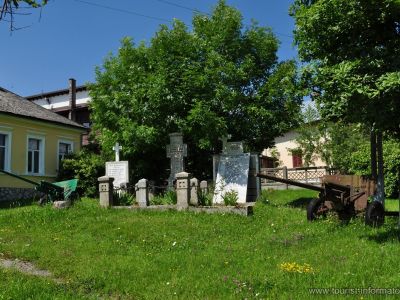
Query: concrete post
x=285 y=175
x=142 y=192
x=106 y=191
x=194 y=189
x=204 y=187
x=182 y=190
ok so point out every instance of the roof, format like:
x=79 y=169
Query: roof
x=13 y=104
x=55 y=93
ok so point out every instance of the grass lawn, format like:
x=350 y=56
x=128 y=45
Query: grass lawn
x=121 y=254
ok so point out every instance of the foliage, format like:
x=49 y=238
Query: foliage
x=205 y=199
x=123 y=199
x=346 y=147
x=168 y=198
x=334 y=143
x=352 y=48
x=86 y=166
x=98 y=253
x=360 y=164
x=230 y=198
x=216 y=79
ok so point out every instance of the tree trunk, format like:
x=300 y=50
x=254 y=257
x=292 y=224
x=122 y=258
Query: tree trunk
x=373 y=155
x=380 y=191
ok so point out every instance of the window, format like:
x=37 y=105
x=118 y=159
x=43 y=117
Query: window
x=297 y=160
x=35 y=155
x=64 y=148
x=5 y=142
x=3 y=149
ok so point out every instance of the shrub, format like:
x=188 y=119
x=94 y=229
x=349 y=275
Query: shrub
x=230 y=198
x=360 y=164
x=86 y=166
x=168 y=198
x=206 y=199
x=123 y=199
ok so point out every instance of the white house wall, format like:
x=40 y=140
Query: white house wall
x=283 y=144
x=59 y=101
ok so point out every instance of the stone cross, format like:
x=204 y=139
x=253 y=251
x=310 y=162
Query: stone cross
x=176 y=151
x=117 y=148
x=224 y=141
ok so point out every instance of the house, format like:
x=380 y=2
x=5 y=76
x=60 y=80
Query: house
x=72 y=103
x=33 y=140
x=285 y=154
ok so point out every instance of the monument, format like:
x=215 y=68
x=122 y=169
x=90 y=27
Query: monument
x=176 y=151
x=236 y=171
x=119 y=170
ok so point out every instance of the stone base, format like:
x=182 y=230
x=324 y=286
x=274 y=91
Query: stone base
x=11 y=194
x=62 y=204
x=244 y=210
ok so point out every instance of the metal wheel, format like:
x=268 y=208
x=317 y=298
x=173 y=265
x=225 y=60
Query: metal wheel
x=316 y=208
x=375 y=214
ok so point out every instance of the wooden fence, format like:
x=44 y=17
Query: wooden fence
x=311 y=175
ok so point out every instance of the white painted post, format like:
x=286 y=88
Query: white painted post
x=142 y=193
x=194 y=189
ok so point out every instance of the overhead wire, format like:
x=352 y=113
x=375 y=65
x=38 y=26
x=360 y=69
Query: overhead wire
x=123 y=10
x=198 y=11
x=157 y=18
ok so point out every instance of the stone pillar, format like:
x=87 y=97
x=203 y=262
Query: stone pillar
x=194 y=189
x=182 y=190
x=142 y=192
x=106 y=191
x=204 y=187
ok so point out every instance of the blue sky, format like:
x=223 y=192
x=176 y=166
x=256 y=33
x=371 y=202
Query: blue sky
x=72 y=37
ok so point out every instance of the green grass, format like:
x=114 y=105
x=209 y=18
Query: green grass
x=121 y=254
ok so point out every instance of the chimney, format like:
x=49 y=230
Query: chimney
x=72 y=99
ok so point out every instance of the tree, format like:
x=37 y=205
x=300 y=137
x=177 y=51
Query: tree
x=218 y=79
x=9 y=9
x=352 y=48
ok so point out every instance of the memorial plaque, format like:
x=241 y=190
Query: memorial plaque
x=119 y=170
x=233 y=174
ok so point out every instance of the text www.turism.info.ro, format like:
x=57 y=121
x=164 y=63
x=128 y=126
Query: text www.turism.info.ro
x=355 y=291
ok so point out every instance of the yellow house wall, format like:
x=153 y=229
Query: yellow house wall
x=22 y=128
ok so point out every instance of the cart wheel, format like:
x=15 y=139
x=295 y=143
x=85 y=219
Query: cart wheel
x=315 y=209
x=375 y=214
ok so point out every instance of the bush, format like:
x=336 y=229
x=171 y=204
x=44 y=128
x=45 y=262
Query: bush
x=168 y=198
x=86 y=166
x=123 y=199
x=230 y=198
x=360 y=164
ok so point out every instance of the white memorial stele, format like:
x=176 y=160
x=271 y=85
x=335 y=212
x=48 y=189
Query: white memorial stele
x=117 y=169
x=233 y=172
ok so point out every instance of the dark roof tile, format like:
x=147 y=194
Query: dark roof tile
x=14 y=104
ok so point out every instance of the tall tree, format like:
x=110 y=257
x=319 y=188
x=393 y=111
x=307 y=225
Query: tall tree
x=353 y=50
x=218 y=79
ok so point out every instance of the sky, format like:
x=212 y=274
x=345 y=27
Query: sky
x=69 y=38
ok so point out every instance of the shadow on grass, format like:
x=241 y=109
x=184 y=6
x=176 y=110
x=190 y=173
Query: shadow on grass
x=300 y=202
x=389 y=235
x=16 y=203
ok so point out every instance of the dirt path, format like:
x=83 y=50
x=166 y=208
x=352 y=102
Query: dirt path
x=27 y=268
